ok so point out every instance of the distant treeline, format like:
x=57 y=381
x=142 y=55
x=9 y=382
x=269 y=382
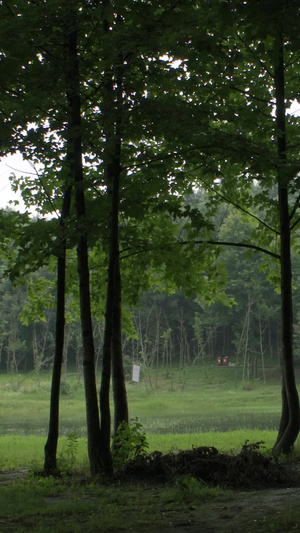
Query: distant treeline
x=163 y=329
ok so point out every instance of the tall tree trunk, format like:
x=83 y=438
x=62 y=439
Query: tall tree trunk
x=119 y=388
x=118 y=377
x=50 y=463
x=105 y=380
x=112 y=349
x=289 y=424
x=74 y=138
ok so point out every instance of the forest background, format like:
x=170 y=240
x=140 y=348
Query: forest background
x=163 y=329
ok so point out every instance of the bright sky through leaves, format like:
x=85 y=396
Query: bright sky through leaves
x=15 y=164
x=8 y=165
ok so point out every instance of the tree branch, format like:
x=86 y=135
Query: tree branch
x=240 y=245
x=240 y=208
x=210 y=242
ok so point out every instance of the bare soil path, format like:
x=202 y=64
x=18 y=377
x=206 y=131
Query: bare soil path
x=242 y=512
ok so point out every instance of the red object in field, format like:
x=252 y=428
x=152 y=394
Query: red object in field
x=220 y=361
x=226 y=360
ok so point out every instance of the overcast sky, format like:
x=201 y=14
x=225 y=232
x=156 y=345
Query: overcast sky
x=8 y=165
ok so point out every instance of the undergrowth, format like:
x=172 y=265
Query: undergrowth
x=129 y=443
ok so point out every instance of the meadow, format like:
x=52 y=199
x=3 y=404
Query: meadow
x=201 y=406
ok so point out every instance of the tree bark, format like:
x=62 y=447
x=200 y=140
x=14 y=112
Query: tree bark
x=112 y=349
x=96 y=458
x=119 y=388
x=50 y=463
x=289 y=424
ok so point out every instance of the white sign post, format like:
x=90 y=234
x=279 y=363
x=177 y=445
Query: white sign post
x=136 y=370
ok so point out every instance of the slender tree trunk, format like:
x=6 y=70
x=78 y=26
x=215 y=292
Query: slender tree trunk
x=118 y=377
x=50 y=464
x=112 y=349
x=261 y=333
x=104 y=394
x=289 y=424
x=247 y=363
x=119 y=388
x=96 y=458
x=105 y=383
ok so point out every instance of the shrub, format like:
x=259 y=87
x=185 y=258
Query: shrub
x=129 y=443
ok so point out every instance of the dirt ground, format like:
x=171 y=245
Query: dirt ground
x=242 y=512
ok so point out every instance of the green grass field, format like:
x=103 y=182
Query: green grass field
x=211 y=400
x=205 y=406
x=209 y=406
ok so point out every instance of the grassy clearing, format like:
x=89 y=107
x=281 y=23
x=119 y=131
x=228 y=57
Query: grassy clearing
x=229 y=442
x=207 y=406
x=206 y=399
x=19 y=451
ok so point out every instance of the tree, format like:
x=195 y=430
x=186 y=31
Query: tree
x=112 y=110
x=245 y=80
x=270 y=47
x=62 y=122
x=99 y=457
x=290 y=416
x=50 y=464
